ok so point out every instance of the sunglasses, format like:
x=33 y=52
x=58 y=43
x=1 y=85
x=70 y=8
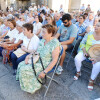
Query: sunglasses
x=65 y=22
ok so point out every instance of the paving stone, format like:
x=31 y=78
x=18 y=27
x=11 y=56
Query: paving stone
x=3 y=70
x=68 y=90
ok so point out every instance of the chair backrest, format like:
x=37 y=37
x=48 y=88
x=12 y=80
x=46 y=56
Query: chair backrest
x=60 y=54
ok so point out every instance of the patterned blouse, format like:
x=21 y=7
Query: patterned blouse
x=87 y=42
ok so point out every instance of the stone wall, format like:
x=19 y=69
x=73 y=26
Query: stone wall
x=68 y=4
x=74 y=5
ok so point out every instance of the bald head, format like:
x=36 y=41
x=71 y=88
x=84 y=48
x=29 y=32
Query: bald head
x=91 y=15
x=58 y=16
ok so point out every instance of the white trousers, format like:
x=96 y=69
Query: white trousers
x=78 y=62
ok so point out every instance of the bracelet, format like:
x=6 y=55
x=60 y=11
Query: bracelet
x=44 y=72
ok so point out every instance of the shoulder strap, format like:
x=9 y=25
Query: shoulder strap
x=35 y=71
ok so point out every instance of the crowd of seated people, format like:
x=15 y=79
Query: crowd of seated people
x=44 y=31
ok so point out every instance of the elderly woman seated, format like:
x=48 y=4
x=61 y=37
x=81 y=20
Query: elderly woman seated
x=48 y=50
x=10 y=36
x=9 y=47
x=30 y=43
x=11 y=33
x=89 y=40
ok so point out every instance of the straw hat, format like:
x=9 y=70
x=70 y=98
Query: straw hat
x=94 y=52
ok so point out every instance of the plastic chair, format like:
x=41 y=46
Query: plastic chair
x=53 y=70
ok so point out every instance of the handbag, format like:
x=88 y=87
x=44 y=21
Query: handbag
x=43 y=82
x=19 y=52
x=35 y=58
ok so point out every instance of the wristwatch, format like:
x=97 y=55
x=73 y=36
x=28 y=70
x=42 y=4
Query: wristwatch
x=44 y=72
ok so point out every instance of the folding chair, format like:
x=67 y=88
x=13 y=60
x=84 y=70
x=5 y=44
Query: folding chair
x=73 y=50
x=53 y=70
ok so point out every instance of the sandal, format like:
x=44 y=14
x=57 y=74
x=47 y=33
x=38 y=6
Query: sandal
x=90 y=87
x=78 y=74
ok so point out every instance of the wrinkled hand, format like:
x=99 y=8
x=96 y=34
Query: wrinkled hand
x=93 y=60
x=4 y=45
x=85 y=54
x=41 y=75
x=26 y=61
x=23 y=48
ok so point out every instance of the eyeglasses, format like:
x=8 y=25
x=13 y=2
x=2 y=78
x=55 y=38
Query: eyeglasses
x=65 y=22
x=80 y=18
x=20 y=18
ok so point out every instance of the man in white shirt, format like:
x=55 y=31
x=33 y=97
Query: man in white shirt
x=47 y=9
x=61 y=8
x=82 y=7
x=89 y=21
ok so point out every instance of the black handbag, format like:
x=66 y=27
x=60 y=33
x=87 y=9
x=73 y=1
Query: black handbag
x=44 y=80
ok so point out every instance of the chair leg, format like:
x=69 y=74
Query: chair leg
x=51 y=78
x=48 y=87
x=70 y=56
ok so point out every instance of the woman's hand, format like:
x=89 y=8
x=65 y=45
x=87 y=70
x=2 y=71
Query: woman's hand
x=42 y=75
x=4 y=45
x=85 y=53
x=26 y=60
x=23 y=48
x=93 y=60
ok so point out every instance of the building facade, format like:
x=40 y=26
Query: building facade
x=68 y=5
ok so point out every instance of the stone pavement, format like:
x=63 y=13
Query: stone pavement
x=72 y=90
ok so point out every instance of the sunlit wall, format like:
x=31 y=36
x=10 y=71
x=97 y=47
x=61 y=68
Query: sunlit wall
x=56 y=4
x=95 y=4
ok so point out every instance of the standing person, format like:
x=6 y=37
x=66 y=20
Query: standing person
x=66 y=34
x=38 y=8
x=82 y=8
x=47 y=9
x=88 y=9
x=61 y=8
x=7 y=9
x=11 y=9
x=43 y=7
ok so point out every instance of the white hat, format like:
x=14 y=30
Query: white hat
x=10 y=16
x=20 y=23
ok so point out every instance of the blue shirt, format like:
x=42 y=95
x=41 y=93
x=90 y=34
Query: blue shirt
x=81 y=29
x=67 y=32
x=58 y=23
x=73 y=21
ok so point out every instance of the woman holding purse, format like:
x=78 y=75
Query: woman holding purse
x=48 y=50
x=30 y=43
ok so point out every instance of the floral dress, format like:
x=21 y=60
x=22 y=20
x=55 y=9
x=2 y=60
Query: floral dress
x=25 y=74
